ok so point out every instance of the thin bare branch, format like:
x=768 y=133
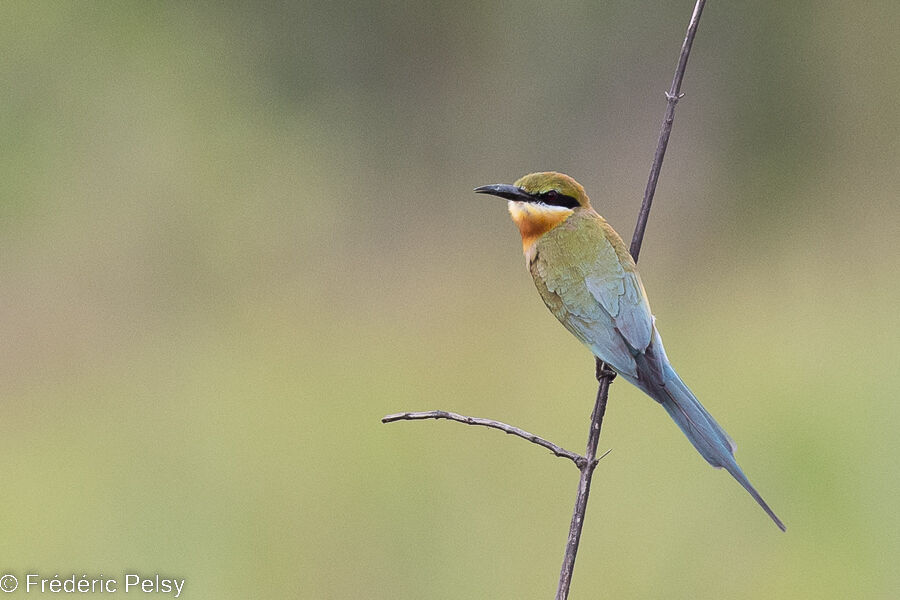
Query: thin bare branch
x=442 y=414
x=587 y=463
x=604 y=374
x=672 y=97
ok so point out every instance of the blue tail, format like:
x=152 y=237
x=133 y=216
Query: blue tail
x=701 y=429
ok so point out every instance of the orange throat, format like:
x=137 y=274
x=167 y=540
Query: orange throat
x=534 y=220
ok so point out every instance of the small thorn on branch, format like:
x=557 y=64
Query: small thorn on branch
x=601 y=457
x=559 y=451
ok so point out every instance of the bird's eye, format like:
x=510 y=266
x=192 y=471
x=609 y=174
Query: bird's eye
x=555 y=198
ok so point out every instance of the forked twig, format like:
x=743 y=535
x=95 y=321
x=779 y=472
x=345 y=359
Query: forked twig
x=587 y=463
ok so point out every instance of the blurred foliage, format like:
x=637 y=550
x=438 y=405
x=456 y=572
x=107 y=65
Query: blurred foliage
x=233 y=236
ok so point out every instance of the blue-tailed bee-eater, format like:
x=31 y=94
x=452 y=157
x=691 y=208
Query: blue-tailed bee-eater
x=589 y=281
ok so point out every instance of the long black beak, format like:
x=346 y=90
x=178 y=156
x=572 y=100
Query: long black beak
x=510 y=192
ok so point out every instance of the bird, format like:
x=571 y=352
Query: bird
x=588 y=279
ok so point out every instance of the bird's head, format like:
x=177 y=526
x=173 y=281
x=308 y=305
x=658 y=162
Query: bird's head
x=539 y=202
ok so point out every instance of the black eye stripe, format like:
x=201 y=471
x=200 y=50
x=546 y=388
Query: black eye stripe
x=554 y=198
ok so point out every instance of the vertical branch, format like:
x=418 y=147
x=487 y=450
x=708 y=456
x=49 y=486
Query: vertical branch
x=672 y=97
x=604 y=374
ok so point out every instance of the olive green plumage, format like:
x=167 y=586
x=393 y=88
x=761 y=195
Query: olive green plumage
x=588 y=281
x=539 y=183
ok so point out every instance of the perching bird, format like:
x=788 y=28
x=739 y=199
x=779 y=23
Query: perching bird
x=589 y=281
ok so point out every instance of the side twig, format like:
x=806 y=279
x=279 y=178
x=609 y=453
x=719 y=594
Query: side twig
x=604 y=374
x=443 y=414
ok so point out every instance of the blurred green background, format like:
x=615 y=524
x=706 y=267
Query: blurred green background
x=232 y=237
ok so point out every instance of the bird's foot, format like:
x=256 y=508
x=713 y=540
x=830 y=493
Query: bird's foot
x=603 y=371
